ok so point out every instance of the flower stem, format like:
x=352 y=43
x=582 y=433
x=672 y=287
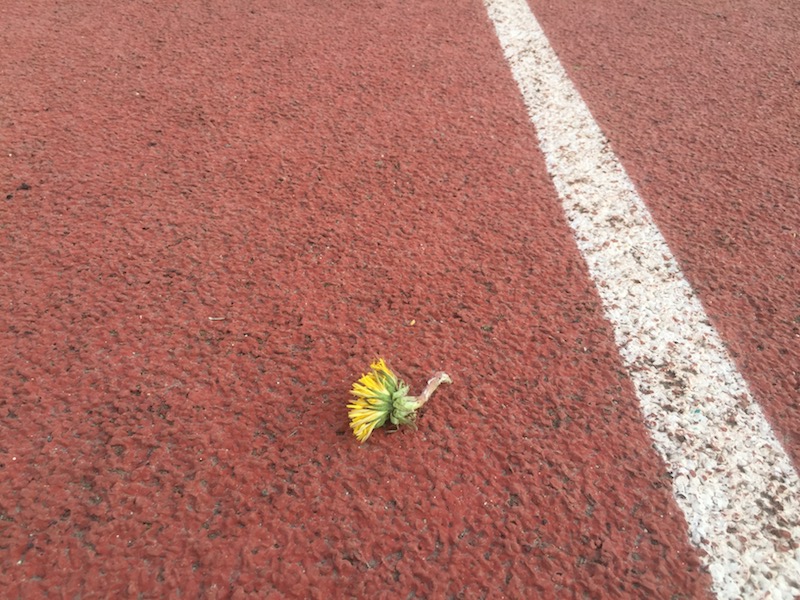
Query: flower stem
x=433 y=383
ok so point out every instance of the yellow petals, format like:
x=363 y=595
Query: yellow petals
x=376 y=393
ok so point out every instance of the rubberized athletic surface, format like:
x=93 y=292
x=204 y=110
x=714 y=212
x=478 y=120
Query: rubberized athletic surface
x=214 y=215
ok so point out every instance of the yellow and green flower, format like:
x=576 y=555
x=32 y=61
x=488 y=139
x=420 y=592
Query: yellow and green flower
x=380 y=396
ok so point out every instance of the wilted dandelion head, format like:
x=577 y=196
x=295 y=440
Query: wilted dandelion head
x=379 y=396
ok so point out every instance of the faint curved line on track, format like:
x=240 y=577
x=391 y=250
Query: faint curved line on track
x=734 y=482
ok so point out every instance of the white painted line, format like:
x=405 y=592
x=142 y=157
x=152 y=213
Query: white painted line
x=735 y=484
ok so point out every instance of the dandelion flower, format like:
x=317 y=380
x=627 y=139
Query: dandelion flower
x=381 y=396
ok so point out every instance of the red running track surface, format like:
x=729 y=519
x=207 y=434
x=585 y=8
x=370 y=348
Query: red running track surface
x=701 y=101
x=320 y=178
